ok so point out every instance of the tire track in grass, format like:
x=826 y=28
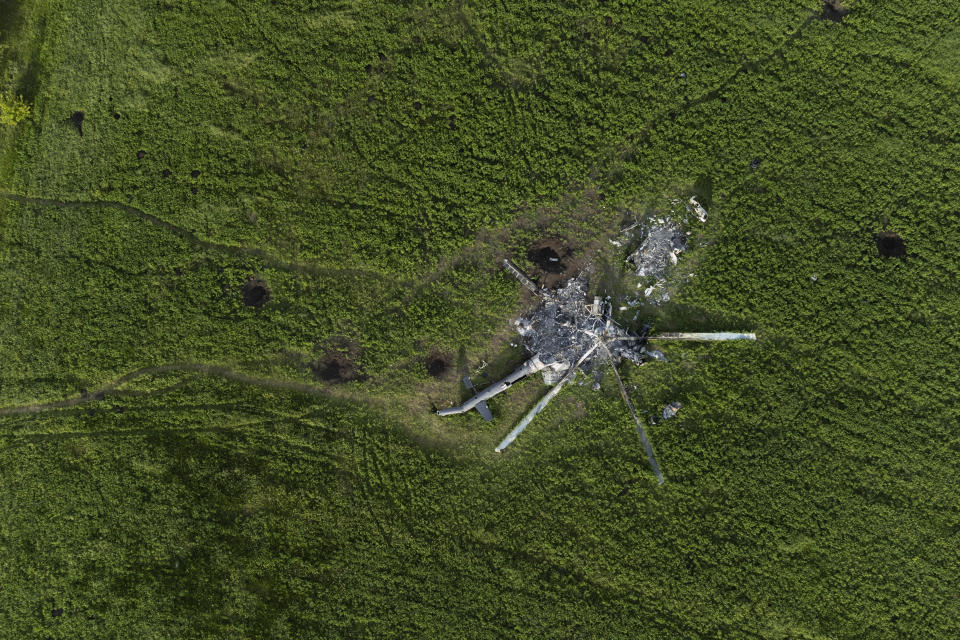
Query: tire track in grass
x=386 y=480
x=304 y=451
x=191 y=238
x=633 y=142
x=204 y=369
x=363 y=483
x=777 y=52
x=714 y=94
x=39 y=436
x=153 y=409
x=361 y=396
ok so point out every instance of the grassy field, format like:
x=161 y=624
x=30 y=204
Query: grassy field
x=176 y=463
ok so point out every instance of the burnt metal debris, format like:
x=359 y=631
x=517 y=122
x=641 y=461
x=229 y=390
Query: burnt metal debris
x=656 y=254
x=670 y=410
x=566 y=334
x=565 y=326
x=663 y=240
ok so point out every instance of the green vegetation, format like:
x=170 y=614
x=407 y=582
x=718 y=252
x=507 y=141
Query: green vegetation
x=176 y=463
x=13 y=110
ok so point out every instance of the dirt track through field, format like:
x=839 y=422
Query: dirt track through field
x=204 y=369
x=191 y=238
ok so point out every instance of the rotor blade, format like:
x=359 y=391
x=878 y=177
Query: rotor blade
x=524 y=280
x=548 y=396
x=640 y=429
x=717 y=336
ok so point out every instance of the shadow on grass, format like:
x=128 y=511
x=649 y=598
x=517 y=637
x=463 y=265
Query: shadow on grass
x=22 y=49
x=677 y=316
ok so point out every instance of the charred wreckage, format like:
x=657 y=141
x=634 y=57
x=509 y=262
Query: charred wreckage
x=567 y=334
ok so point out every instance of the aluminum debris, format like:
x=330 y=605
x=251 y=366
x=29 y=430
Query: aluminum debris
x=657 y=253
x=566 y=334
x=662 y=240
x=566 y=325
x=697 y=209
x=671 y=410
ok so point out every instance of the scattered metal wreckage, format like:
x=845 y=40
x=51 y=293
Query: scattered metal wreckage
x=663 y=241
x=671 y=410
x=566 y=334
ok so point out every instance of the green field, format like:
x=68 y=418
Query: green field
x=175 y=463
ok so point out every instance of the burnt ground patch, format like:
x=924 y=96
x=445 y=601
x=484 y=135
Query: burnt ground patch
x=551 y=257
x=890 y=245
x=76 y=119
x=336 y=366
x=834 y=10
x=438 y=363
x=255 y=292
x=337 y=362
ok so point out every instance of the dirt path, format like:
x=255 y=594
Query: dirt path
x=204 y=369
x=192 y=238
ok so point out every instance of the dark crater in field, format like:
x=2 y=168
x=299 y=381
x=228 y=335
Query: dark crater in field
x=336 y=366
x=547 y=259
x=195 y=173
x=438 y=363
x=77 y=120
x=890 y=245
x=166 y=173
x=337 y=361
x=833 y=10
x=546 y=254
x=255 y=292
x=141 y=154
x=551 y=258
x=755 y=163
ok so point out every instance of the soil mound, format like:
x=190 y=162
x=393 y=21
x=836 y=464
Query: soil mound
x=890 y=245
x=255 y=292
